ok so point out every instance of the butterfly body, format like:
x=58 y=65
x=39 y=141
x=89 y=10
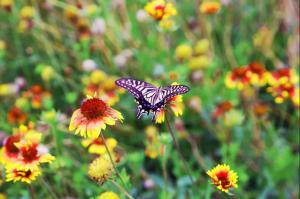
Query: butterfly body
x=150 y=99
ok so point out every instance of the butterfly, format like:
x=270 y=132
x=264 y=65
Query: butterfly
x=148 y=97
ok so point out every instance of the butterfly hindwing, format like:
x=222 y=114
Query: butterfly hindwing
x=172 y=91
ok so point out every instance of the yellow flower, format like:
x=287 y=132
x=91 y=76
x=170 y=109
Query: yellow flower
x=2 y=196
x=96 y=145
x=296 y=97
x=27 y=12
x=176 y=106
x=101 y=169
x=97 y=76
x=2 y=45
x=23 y=175
x=92 y=117
x=263 y=39
x=159 y=9
x=223 y=178
x=210 y=7
x=47 y=73
x=183 y=52
x=6 y=4
x=8 y=89
x=108 y=195
x=167 y=24
x=199 y=62
x=233 y=118
x=91 y=9
x=72 y=13
x=201 y=46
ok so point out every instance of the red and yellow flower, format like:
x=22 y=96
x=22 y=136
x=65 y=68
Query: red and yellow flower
x=16 y=116
x=176 y=105
x=258 y=74
x=36 y=94
x=29 y=155
x=282 y=85
x=10 y=152
x=223 y=178
x=92 y=117
x=160 y=9
x=23 y=175
x=238 y=78
x=96 y=145
x=21 y=155
x=221 y=109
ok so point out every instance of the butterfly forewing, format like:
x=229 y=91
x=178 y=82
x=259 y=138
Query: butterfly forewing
x=136 y=87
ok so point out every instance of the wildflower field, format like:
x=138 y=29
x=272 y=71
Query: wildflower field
x=149 y=99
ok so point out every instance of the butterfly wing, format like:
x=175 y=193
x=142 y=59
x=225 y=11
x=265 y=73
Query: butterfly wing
x=136 y=87
x=171 y=91
x=143 y=93
x=166 y=93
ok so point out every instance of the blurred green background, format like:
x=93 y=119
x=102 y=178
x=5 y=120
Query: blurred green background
x=58 y=46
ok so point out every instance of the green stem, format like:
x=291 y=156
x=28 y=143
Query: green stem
x=178 y=149
x=111 y=159
x=48 y=187
x=122 y=189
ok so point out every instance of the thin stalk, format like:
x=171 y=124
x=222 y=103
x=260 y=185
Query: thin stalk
x=48 y=187
x=122 y=189
x=178 y=149
x=111 y=159
x=31 y=191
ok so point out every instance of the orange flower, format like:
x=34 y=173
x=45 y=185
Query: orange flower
x=16 y=116
x=210 y=7
x=36 y=93
x=238 y=78
x=14 y=174
x=223 y=178
x=221 y=108
x=93 y=116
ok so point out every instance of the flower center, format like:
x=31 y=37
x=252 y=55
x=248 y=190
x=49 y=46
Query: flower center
x=10 y=144
x=239 y=72
x=257 y=68
x=22 y=174
x=29 y=153
x=223 y=177
x=97 y=141
x=93 y=108
x=159 y=9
